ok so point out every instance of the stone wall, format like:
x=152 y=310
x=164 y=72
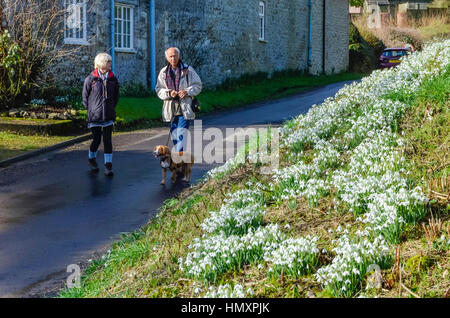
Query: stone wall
x=336 y=36
x=336 y=33
x=135 y=66
x=228 y=43
x=129 y=66
x=225 y=36
x=219 y=38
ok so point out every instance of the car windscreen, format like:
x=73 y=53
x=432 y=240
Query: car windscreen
x=394 y=53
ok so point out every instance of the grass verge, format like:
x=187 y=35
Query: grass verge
x=12 y=145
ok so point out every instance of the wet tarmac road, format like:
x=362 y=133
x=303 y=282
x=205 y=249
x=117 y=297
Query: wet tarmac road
x=54 y=212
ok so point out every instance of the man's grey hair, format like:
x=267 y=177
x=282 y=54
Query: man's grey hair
x=176 y=49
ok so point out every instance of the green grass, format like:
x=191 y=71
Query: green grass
x=32 y=121
x=428 y=130
x=131 y=109
x=14 y=144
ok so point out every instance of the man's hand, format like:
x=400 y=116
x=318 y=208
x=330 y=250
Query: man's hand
x=173 y=93
x=182 y=93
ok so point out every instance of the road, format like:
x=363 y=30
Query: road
x=54 y=212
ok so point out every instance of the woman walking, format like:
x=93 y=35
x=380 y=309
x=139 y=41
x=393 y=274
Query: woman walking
x=100 y=97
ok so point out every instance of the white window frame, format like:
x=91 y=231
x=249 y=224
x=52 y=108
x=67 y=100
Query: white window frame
x=262 y=20
x=122 y=22
x=80 y=7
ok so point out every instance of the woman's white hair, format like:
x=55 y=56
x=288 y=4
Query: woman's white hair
x=101 y=60
x=176 y=49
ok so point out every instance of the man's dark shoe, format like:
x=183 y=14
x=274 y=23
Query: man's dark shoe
x=108 y=169
x=93 y=164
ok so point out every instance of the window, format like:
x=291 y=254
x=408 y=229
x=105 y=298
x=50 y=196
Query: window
x=75 y=22
x=384 y=8
x=261 y=20
x=123 y=27
x=394 y=53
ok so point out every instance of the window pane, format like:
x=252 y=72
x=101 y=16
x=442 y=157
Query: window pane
x=262 y=28
x=74 y=19
x=81 y=21
x=123 y=27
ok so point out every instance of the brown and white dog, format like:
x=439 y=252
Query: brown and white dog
x=177 y=163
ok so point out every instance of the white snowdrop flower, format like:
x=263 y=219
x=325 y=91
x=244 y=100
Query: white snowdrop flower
x=370 y=179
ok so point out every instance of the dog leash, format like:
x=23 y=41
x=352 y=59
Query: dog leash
x=170 y=126
x=168 y=137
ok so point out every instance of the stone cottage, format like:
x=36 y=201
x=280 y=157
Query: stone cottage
x=384 y=12
x=220 y=38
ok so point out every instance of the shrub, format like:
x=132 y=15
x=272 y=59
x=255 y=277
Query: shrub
x=12 y=80
x=404 y=35
x=354 y=36
x=38 y=38
x=364 y=49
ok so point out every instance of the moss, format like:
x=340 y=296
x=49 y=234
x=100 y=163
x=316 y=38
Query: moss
x=326 y=293
x=418 y=264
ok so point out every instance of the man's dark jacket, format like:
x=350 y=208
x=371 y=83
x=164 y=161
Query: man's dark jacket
x=99 y=102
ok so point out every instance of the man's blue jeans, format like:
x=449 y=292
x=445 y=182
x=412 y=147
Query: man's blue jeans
x=178 y=132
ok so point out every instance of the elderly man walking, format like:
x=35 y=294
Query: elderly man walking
x=177 y=84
